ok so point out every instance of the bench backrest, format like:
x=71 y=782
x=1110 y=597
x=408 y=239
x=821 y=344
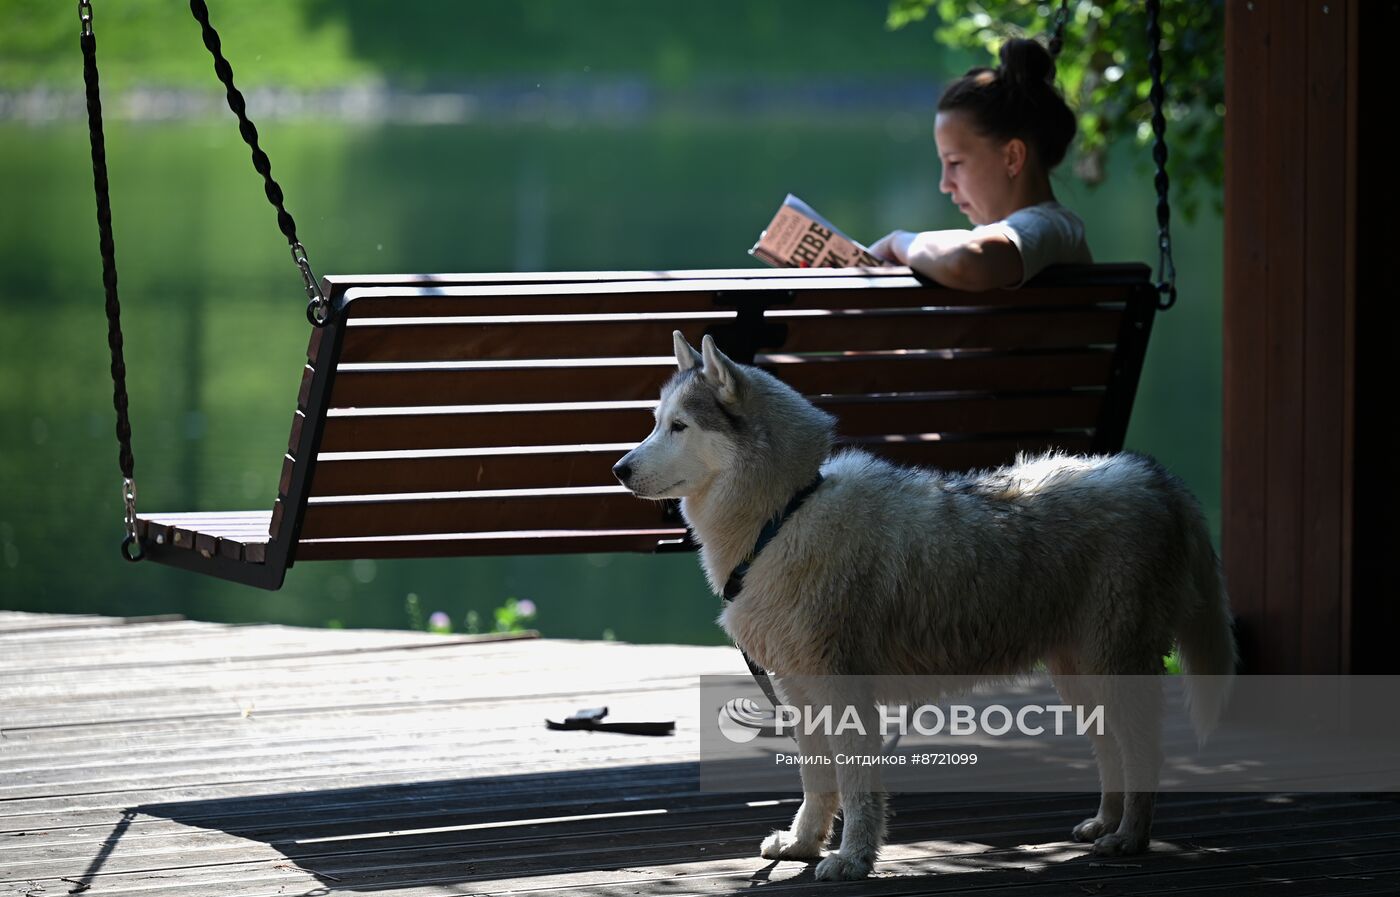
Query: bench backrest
x=484 y=418
x=482 y=414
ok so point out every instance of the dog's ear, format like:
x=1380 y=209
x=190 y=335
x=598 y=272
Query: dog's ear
x=686 y=357
x=720 y=371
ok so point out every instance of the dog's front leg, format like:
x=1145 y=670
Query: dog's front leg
x=862 y=801
x=811 y=827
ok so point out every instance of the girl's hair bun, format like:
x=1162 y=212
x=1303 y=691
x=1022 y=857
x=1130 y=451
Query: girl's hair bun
x=1026 y=64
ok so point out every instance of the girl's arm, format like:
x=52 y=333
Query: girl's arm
x=955 y=258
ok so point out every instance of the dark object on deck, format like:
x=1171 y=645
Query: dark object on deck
x=591 y=720
x=481 y=415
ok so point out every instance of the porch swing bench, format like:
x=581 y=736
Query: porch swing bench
x=481 y=414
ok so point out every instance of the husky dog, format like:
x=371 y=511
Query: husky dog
x=1094 y=565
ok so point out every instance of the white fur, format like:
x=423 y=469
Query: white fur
x=1091 y=564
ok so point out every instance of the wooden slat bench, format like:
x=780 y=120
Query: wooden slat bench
x=482 y=414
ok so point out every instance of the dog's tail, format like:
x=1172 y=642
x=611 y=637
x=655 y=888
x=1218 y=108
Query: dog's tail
x=1208 y=655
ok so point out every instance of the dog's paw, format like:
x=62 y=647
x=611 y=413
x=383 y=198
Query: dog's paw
x=1092 y=829
x=783 y=846
x=839 y=867
x=1118 y=844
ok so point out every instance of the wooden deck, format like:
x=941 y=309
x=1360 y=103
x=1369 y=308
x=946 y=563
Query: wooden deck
x=154 y=758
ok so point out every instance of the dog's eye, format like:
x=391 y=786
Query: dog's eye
x=677 y=426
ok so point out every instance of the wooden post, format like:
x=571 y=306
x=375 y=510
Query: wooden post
x=1293 y=213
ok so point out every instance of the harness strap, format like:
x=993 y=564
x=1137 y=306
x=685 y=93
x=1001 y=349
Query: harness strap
x=735 y=584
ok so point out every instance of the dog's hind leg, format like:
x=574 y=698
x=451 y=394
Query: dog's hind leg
x=1081 y=691
x=1133 y=719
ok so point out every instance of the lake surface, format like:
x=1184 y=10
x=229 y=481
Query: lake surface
x=215 y=330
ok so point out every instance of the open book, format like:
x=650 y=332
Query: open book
x=798 y=237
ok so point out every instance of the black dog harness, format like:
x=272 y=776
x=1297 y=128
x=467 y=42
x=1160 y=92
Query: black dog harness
x=735 y=584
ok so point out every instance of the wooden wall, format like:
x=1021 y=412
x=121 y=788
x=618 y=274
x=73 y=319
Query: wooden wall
x=1306 y=600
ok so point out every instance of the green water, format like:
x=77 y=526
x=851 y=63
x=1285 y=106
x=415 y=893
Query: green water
x=215 y=331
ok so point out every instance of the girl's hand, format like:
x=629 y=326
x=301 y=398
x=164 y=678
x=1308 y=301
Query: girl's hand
x=894 y=246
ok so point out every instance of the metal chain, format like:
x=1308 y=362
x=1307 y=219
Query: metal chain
x=1166 y=267
x=1057 y=31
x=88 y=41
x=318 y=310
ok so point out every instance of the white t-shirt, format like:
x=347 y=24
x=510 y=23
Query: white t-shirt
x=1045 y=234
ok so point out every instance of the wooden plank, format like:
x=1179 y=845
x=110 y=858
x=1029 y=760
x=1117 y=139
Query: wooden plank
x=1078 y=276
x=365 y=473
x=466 y=338
x=639 y=291
x=960 y=413
x=209 y=517
x=704 y=294
x=13 y=622
x=591 y=423
x=217 y=525
x=284 y=482
x=947 y=329
x=308 y=374
x=488 y=544
x=469 y=383
x=519 y=336
x=230 y=548
x=294 y=440
x=353 y=473
x=1028 y=297
x=479 y=426
x=635 y=379
x=920 y=371
x=587 y=508
x=206 y=528
x=1249 y=149
x=313 y=346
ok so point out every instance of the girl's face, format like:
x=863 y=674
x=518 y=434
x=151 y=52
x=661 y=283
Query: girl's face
x=978 y=171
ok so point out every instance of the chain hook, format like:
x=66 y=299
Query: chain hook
x=85 y=15
x=318 y=310
x=129 y=516
x=1166 y=269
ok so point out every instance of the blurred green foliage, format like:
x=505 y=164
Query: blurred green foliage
x=1103 y=72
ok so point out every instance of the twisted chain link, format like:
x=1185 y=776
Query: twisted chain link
x=318 y=310
x=1166 y=267
x=1057 y=31
x=125 y=459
